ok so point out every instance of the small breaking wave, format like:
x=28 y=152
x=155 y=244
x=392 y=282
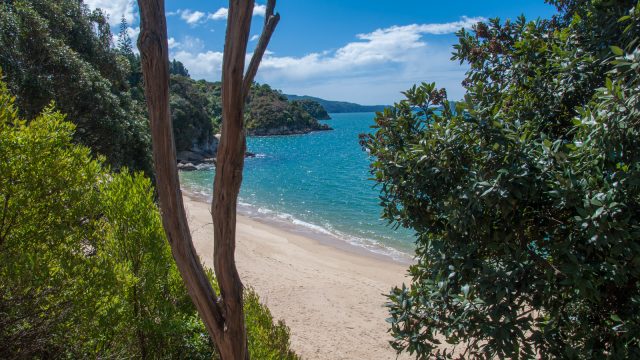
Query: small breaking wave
x=288 y=220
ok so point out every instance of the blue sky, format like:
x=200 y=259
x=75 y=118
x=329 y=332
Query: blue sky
x=352 y=50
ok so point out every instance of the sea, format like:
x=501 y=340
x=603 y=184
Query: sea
x=318 y=184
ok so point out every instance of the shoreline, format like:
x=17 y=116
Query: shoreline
x=374 y=249
x=330 y=297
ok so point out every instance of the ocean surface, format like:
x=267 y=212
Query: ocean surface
x=317 y=182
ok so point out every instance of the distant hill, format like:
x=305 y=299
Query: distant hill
x=338 y=106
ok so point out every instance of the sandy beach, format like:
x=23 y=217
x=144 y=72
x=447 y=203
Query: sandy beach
x=330 y=296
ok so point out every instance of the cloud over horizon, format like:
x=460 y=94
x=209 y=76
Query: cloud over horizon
x=395 y=56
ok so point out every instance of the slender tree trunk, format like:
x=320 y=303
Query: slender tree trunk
x=224 y=317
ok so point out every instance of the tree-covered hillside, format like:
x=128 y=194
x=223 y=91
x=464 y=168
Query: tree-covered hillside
x=269 y=113
x=196 y=111
x=62 y=52
x=314 y=109
x=59 y=51
x=193 y=114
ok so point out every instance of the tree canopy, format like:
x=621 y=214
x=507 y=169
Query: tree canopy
x=524 y=197
x=60 y=51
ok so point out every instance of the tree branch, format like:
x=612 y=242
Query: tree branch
x=271 y=5
x=270 y=23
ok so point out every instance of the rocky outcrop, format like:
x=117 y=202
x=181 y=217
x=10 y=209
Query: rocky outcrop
x=198 y=154
x=201 y=157
x=187 y=167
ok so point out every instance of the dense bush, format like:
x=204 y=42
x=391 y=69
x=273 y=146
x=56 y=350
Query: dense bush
x=191 y=113
x=85 y=268
x=525 y=199
x=60 y=51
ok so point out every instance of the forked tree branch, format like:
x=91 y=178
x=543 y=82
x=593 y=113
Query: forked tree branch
x=154 y=51
x=224 y=317
x=270 y=23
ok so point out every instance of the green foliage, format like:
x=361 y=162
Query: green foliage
x=192 y=113
x=313 y=108
x=524 y=198
x=269 y=113
x=47 y=219
x=85 y=267
x=60 y=51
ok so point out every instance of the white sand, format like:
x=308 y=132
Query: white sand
x=330 y=297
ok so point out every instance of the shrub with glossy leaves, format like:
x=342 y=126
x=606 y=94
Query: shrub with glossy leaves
x=526 y=198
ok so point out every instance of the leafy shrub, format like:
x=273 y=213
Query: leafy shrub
x=85 y=267
x=267 y=340
x=525 y=198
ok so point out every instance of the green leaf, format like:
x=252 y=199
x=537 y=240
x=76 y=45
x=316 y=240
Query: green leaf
x=616 y=50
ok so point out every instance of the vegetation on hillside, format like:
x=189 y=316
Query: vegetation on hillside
x=269 y=113
x=525 y=200
x=60 y=51
x=313 y=108
x=85 y=267
x=192 y=113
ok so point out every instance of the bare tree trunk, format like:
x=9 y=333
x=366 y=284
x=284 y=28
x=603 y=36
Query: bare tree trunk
x=230 y=159
x=224 y=317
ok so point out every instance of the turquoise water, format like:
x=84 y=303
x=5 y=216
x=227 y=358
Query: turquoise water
x=319 y=181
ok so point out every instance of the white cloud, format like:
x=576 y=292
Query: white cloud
x=133 y=32
x=173 y=43
x=115 y=9
x=448 y=28
x=373 y=69
x=203 y=65
x=220 y=14
x=254 y=37
x=259 y=10
x=191 y=17
x=395 y=44
x=192 y=44
x=223 y=12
